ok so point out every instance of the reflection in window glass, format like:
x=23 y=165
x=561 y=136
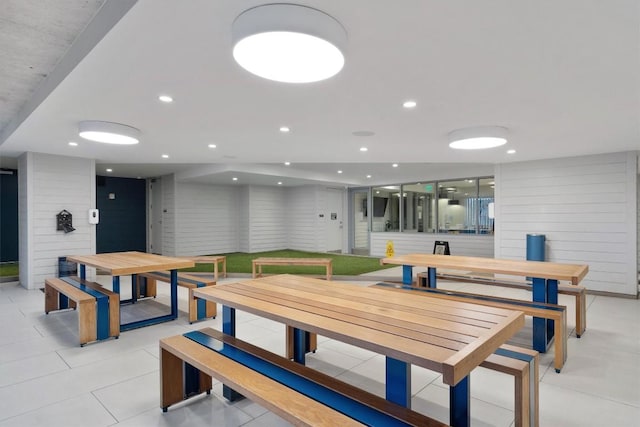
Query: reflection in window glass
x=486 y=198
x=419 y=207
x=386 y=208
x=458 y=206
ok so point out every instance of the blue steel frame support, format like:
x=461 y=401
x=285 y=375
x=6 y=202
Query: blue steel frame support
x=540 y=324
x=431 y=280
x=229 y=328
x=552 y=298
x=115 y=284
x=299 y=345
x=174 y=293
x=398 y=381
x=460 y=400
x=134 y=288
x=407 y=274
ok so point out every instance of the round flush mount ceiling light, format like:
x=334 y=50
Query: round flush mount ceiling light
x=289 y=43
x=476 y=138
x=107 y=132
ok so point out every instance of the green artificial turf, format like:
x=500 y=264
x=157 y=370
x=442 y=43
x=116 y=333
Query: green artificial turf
x=343 y=265
x=8 y=269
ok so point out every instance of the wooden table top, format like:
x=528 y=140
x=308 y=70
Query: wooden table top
x=546 y=270
x=445 y=336
x=125 y=263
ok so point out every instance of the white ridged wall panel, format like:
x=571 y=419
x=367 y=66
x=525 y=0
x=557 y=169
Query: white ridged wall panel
x=302 y=218
x=586 y=207
x=267 y=218
x=207 y=219
x=406 y=243
x=243 y=218
x=47 y=184
x=169 y=216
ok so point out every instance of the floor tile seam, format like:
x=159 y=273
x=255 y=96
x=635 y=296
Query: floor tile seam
x=446 y=387
x=595 y=396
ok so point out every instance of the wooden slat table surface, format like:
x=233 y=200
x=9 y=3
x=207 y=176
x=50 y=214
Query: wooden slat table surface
x=125 y=263
x=445 y=336
x=573 y=273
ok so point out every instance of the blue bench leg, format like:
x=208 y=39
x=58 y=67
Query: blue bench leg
x=407 y=274
x=431 y=273
x=134 y=291
x=299 y=345
x=459 y=398
x=552 y=298
x=539 y=324
x=398 y=381
x=229 y=328
x=202 y=306
x=174 y=294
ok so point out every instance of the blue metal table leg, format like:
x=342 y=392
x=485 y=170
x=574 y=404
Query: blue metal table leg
x=459 y=409
x=407 y=274
x=115 y=284
x=174 y=294
x=229 y=328
x=299 y=345
x=431 y=273
x=134 y=288
x=398 y=381
x=539 y=324
x=83 y=271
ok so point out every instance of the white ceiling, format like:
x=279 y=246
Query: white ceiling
x=562 y=76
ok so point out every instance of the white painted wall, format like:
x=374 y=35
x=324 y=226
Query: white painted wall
x=302 y=218
x=406 y=243
x=47 y=184
x=206 y=219
x=169 y=217
x=267 y=218
x=586 y=207
x=243 y=204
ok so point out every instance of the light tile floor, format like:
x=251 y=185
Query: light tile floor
x=47 y=379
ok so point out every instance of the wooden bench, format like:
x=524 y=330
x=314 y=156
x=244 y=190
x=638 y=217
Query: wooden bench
x=198 y=309
x=312 y=339
x=293 y=391
x=211 y=259
x=579 y=292
x=259 y=262
x=98 y=308
x=557 y=313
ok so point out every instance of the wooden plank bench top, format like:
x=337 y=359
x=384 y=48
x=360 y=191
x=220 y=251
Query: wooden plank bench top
x=298 y=404
x=98 y=308
x=259 y=262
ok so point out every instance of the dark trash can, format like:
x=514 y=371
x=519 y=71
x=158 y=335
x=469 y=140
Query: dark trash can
x=66 y=268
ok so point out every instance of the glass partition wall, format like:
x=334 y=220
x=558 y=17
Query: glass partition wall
x=452 y=206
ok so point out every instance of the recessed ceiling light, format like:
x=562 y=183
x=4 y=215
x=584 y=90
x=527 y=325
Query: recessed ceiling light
x=109 y=170
x=377 y=191
x=234 y=178
x=287 y=163
x=368 y=176
x=409 y=104
x=165 y=98
x=107 y=132
x=284 y=129
x=279 y=182
x=363 y=133
x=73 y=144
x=165 y=156
x=212 y=145
x=288 y=43
x=511 y=151
x=477 y=138
x=364 y=149
x=395 y=165
x=339 y=171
